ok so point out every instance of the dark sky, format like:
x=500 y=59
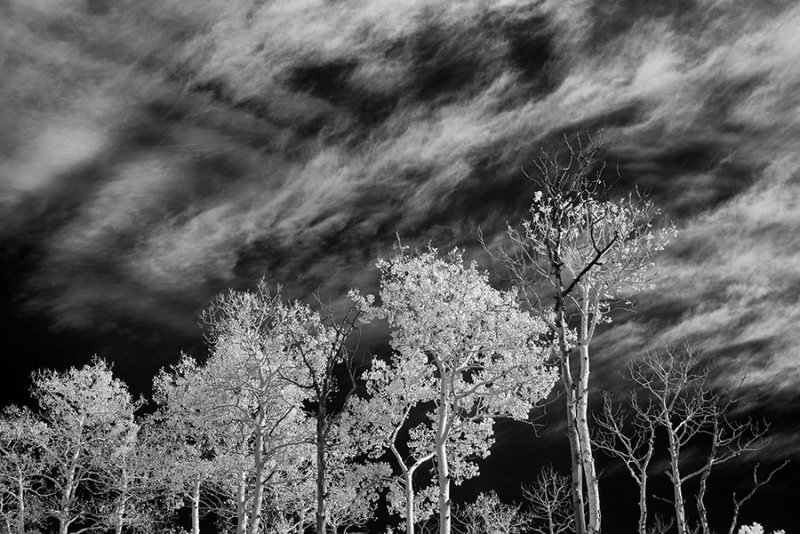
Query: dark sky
x=156 y=152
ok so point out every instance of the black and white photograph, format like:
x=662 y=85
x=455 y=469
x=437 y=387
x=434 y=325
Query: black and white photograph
x=399 y=266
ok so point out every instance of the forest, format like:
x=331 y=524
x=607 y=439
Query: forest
x=285 y=426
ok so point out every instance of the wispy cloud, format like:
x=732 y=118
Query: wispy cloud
x=161 y=151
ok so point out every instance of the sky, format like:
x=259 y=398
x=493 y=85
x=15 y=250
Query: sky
x=156 y=152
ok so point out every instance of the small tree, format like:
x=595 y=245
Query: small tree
x=631 y=438
x=549 y=501
x=382 y=421
x=488 y=515
x=591 y=249
x=682 y=402
x=479 y=355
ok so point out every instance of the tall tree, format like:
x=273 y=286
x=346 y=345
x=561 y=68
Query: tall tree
x=89 y=420
x=549 y=500
x=590 y=249
x=481 y=356
x=683 y=403
x=251 y=380
x=631 y=437
x=387 y=419
x=184 y=435
x=20 y=465
x=323 y=347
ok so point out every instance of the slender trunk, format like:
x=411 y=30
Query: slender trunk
x=675 y=474
x=68 y=493
x=445 y=511
x=407 y=476
x=20 y=502
x=321 y=468
x=572 y=431
x=643 y=504
x=120 y=516
x=577 y=466
x=582 y=423
x=445 y=518
x=241 y=511
x=260 y=475
x=701 y=493
x=701 y=505
x=196 y=506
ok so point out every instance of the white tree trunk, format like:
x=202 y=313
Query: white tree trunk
x=196 y=506
x=572 y=430
x=445 y=512
x=260 y=475
x=322 y=515
x=20 y=503
x=588 y=321
x=680 y=508
x=409 y=489
x=241 y=509
x=442 y=465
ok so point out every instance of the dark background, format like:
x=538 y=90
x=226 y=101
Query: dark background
x=156 y=152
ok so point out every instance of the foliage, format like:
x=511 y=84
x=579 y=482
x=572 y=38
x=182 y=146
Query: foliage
x=488 y=515
x=756 y=528
x=592 y=250
x=465 y=353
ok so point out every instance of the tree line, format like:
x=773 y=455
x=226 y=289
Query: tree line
x=281 y=429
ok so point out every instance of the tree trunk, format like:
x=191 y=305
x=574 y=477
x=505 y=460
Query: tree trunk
x=643 y=505
x=409 y=502
x=241 y=512
x=680 y=509
x=572 y=430
x=701 y=506
x=67 y=494
x=20 y=502
x=577 y=465
x=260 y=476
x=445 y=512
x=196 y=506
x=582 y=422
x=120 y=516
x=321 y=468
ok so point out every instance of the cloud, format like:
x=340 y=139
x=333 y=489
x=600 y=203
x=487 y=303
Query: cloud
x=162 y=151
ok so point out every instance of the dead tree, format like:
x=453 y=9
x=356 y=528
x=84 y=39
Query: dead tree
x=631 y=438
x=549 y=500
x=683 y=404
x=757 y=484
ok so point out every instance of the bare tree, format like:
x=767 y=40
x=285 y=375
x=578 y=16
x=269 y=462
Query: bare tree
x=549 y=500
x=488 y=515
x=631 y=438
x=738 y=502
x=590 y=249
x=661 y=525
x=692 y=414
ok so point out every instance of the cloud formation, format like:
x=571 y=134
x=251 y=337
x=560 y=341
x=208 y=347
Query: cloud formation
x=159 y=152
